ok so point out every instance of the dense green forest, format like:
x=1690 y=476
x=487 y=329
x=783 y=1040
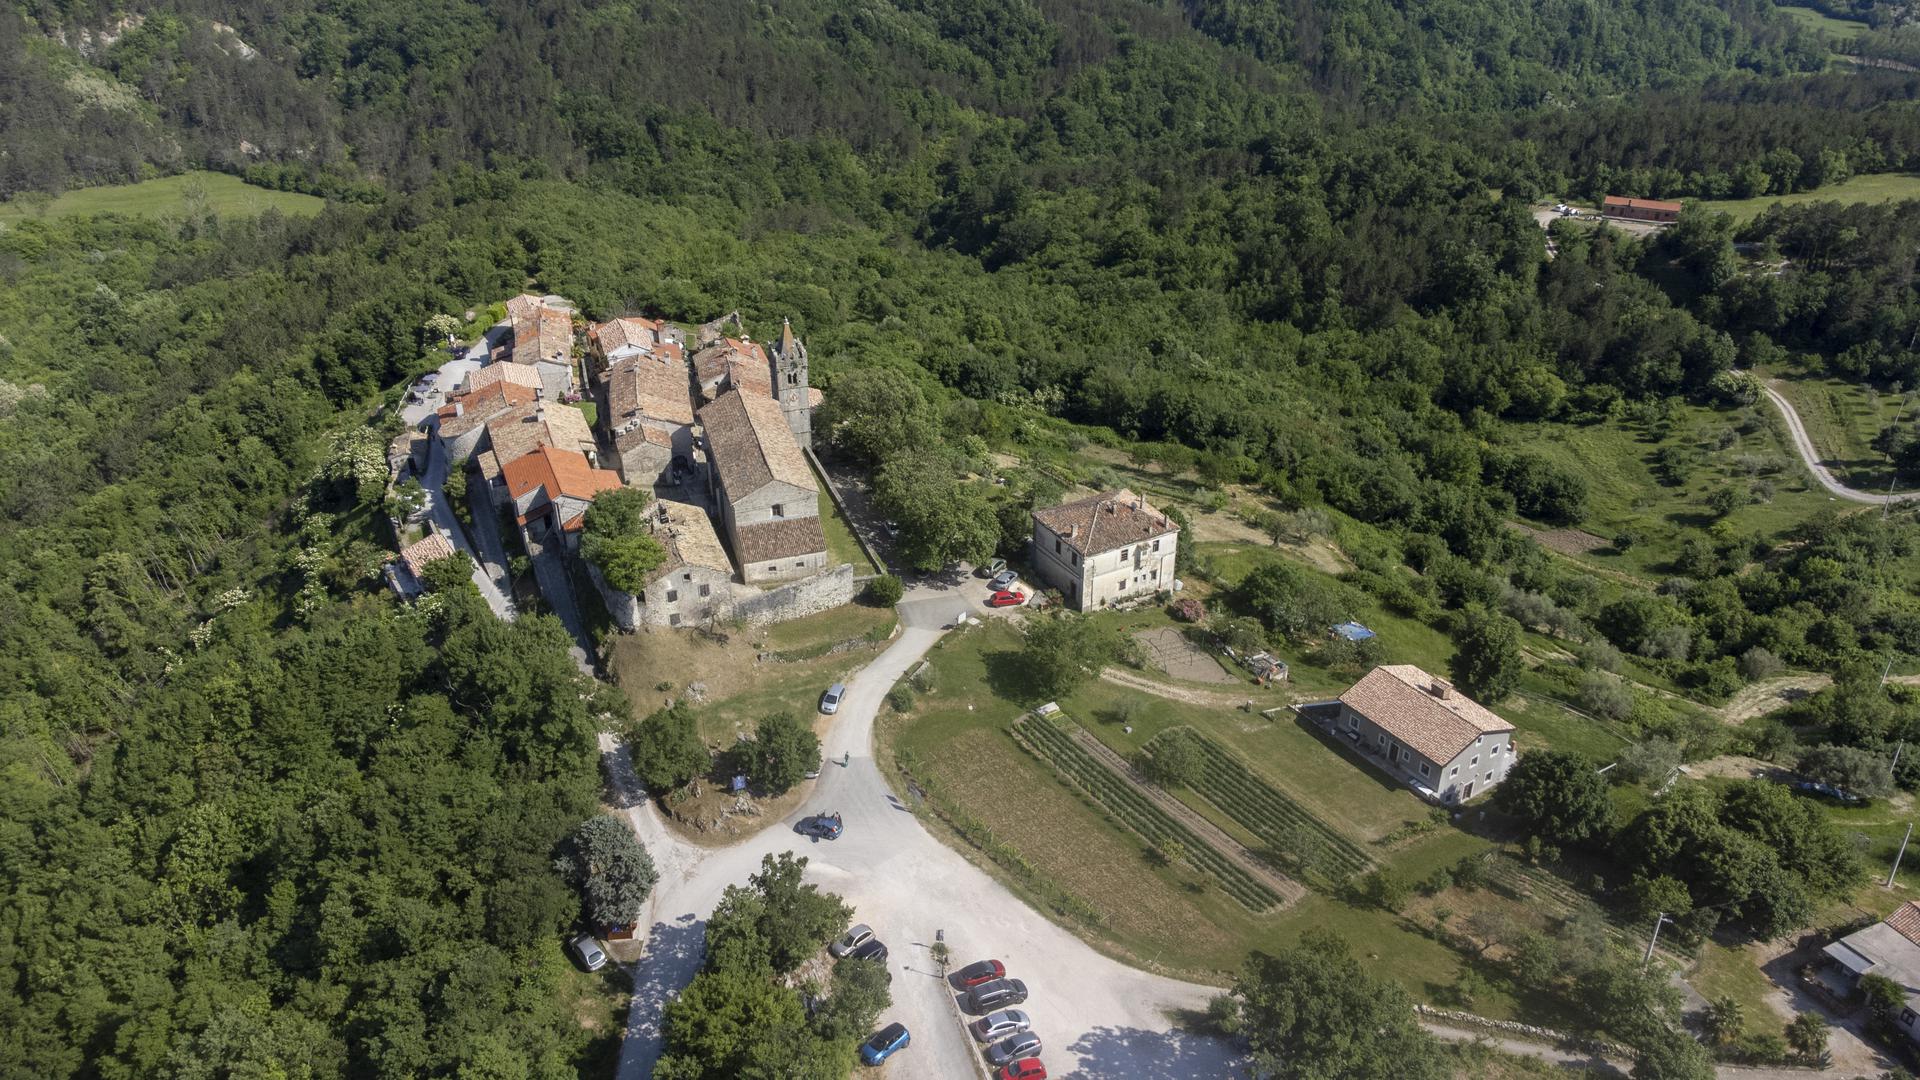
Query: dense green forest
x=259 y=819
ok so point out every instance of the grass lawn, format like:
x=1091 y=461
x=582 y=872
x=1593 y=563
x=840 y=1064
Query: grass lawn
x=1723 y=971
x=225 y=195
x=741 y=689
x=1842 y=419
x=1627 y=494
x=841 y=545
x=1870 y=188
x=598 y=1003
x=1823 y=22
x=589 y=408
x=1051 y=843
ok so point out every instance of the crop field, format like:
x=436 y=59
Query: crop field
x=226 y=196
x=1307 y=844
x=1139 y=813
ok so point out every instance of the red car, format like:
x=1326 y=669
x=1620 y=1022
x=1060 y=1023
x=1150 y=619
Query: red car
x=1024 y=1069
x=983 y=972
x=1007 y=598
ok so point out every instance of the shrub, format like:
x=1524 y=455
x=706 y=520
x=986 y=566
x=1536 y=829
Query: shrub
x=1606 y=697
x=1175 y=761
x=900 y=699
x=884 y=591
x=1188 y=610
x=1758 y=663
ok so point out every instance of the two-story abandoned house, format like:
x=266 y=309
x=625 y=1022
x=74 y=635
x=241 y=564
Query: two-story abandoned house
x=696 y=579
x=1420 y=729
x=764 y=490
x=1105 y=550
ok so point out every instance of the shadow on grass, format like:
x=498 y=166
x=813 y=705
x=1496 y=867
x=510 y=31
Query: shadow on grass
x=1011 y=677
x=1349 y=754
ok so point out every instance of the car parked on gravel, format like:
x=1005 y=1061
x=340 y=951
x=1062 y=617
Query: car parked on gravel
x=821 y=826
x=884 y=1043
x=851 y=940
x=992 y=568
x=1007 y=598
x=996 y=1026
x=1024 y=1045
x=974 y=974
x=1023 y=1069
x=592 y=956
x=872 y=949
x=1003 y=580
x=990 y=996
x=830 y=701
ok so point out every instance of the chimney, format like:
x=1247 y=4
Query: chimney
x=459 y=408
x=1440 y=689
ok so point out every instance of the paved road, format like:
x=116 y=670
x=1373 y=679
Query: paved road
x=442 y=514
x=1099 y=1018
x=1821 y=474
x=550 y=570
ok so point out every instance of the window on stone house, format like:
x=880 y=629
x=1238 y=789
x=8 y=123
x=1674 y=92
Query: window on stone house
x=1156 y=545
x=673 y=619
x=706 y=590
x=1056 y=545
x=673 y=595
x=779 y=511
x=1076 y=558
x=688 y=576
x=1423 y=769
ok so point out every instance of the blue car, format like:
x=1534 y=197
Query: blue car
x=885 y=1043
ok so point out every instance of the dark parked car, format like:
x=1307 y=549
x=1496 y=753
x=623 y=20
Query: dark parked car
x=1825 y=790
x=884 y=1043
x=996 y=1026
x=872 y=949
x=990 y=996
x=821 y=826
x=851 y=940
x=974 y=974
x=1024 y=1045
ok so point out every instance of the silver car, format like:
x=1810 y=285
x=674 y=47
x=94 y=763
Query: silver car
x=591 y=955
x=1024 y=1045
x=830 y=701
x=1003 y=580
x=851 y=940
x=999 y=1025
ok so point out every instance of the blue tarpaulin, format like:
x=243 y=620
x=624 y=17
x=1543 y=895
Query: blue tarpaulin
x=1352 y=631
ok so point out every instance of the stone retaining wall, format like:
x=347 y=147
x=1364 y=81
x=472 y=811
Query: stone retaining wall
x=1525 y=1031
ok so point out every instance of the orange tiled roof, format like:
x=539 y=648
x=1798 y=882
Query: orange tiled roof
x=479 y=406
x=1103 y=522
x=1906 y=921
x=560 y=472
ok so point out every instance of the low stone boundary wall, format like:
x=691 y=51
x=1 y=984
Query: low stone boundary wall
x=1525 y=1031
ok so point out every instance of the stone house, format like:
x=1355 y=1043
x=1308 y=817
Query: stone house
x=525 y=428
x=768 y=498
x=696 y=580
x=407 y=574
x=730 y=363
x=1419 y=729
x=480 y=378
x=551 y=490
x=1105 y=550
x=542 y=338
x=646 y=405
x=1889 y=948
x=461 y=424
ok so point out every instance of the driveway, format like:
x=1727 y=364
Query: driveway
x=1098 y=1017
x=1821 y=474
x=441 y=513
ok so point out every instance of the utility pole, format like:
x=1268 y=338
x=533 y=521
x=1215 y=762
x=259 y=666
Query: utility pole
x=1900 y=855
x=1654 y=940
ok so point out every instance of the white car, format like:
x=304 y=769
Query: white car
x=591 y=955
x=830 y=701
x=1000 y=1025
x=851 y=940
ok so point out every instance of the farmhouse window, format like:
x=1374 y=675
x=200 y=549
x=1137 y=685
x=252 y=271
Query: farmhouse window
x=779 y=511
x=706 y=590
x=673 y=619
x=1423 y=769
x=673 y=595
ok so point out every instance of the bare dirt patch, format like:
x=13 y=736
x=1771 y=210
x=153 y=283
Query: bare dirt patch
x=1171 y=652
x=1571 y=541
x=1208 y=698
x=1771 y=695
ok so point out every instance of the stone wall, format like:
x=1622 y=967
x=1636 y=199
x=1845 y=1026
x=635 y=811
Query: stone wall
x=756 y=607
x=1525 y=1031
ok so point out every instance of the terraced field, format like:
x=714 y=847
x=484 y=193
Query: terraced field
x=1293 y=835
x=1139 y=813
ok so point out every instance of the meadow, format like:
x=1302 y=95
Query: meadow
x=224 y=195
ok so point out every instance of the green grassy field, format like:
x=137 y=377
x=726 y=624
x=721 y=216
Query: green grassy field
x=1872 y=188
x=224 y=195
x=1841 y=29
x=841 y=545
x=1842 y=419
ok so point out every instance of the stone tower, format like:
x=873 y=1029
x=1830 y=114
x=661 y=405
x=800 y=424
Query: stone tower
x=790 y=384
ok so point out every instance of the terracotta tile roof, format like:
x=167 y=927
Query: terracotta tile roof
x=742 y=364
x=769 y=540
x=1425 y=713
x=479 y=406
x=559 y=472
x=750 y=444
x=642 y=434
x=1621 y=202
x=687 y=534
x=524 y=305
x=544 y=336
x=1905 y=921
x=518 y=374
x=1100 y=523
x=625 y=332
x=649 y=386
x=525 y=428
x=430 y=548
